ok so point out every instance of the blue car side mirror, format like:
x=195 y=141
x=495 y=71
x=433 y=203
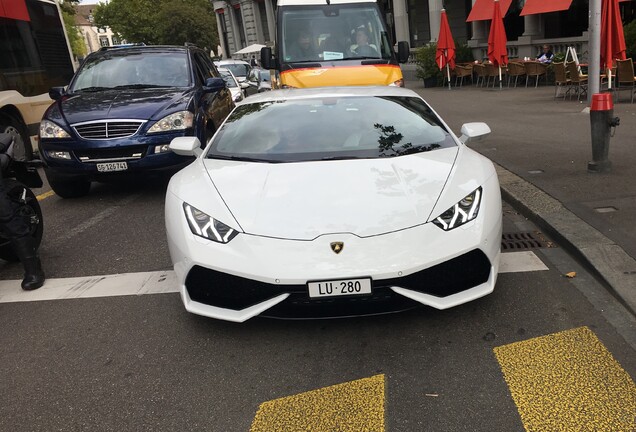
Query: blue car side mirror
x=214 y=84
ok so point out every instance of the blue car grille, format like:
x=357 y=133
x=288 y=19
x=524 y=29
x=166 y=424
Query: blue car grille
x=108 y=129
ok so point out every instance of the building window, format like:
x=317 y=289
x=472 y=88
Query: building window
x=103 y=41
x=116 y=40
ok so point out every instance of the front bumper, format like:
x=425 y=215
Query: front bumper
x=138 y=153
x=254 y=275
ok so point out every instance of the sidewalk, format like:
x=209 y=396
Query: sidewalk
x=541 y=147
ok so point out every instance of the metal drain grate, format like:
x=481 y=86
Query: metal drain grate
x=524 y=241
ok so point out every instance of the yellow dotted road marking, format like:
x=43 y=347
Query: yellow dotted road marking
x=353 y=406
x=45 y=195
x=568 y=381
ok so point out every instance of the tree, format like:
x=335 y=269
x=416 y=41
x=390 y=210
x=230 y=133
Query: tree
x=171 y=22
x=74 y=35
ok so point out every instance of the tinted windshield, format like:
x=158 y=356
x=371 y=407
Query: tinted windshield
x=330 y=128
x=333 y=32
x=239 y=70
x=143 y=69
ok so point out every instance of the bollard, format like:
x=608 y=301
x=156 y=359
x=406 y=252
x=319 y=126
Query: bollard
x=602 y=122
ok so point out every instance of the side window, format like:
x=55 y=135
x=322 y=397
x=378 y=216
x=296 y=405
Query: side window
x=204 y=67
x=210 y=65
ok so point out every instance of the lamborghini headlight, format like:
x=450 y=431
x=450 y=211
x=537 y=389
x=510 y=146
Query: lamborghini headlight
x=177 y=121
x=206 y=226
x=464 y=211
x=48 y=129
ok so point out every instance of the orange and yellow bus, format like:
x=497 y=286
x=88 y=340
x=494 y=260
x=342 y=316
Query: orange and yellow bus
x=333 y=42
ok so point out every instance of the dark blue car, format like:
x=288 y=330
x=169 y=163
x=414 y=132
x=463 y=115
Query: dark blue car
x=122 y=109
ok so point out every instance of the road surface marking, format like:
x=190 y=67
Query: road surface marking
x=568 y=381
x=45 y=195
x=166 y=282
x=514 y=262
x=352 y=406
x=92 y=286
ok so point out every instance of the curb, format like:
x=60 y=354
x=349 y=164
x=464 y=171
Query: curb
x=602 y=256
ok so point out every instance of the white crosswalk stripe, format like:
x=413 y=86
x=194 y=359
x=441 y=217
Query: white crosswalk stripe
x=159 y=282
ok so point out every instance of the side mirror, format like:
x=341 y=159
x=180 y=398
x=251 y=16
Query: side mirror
x=186 y=146
x=266 y=58
x=474 y=131
x=403 y=52
x=56 y=93
x=214 y=84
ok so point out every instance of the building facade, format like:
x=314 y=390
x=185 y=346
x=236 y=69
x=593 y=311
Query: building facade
x=94 y=37
x=244 y=22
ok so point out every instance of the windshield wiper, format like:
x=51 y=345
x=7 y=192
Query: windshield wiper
x=137 y=86
x=241 y=158
x=92 y=89
x=330 y=158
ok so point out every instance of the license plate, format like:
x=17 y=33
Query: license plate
x=342 y=287
x=112 y=166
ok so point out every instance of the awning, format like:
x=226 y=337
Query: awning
x=544 y=6
x=483 y=9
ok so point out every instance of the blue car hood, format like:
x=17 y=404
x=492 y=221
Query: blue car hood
x=143 y=104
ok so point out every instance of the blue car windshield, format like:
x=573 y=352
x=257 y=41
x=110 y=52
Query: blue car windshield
x=133 y=70
x=330 y=128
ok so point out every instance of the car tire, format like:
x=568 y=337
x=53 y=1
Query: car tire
x=22 y=149
x=69 y=187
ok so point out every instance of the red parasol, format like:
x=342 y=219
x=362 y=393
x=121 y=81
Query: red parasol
x=497 y=51
x=612 y=37
x=445 y=54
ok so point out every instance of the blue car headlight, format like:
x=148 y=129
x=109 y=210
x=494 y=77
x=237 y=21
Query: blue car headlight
x=205 y=226
x=464 y=211
x=48 y=129
x=177 y=121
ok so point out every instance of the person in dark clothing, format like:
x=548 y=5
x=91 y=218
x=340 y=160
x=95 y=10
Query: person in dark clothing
x=302 y=48
x=546 y=55
x=253 y=62
x=15 y=227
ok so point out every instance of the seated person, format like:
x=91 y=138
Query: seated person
x=547 y=55
x=302 y=48
x=363 y=48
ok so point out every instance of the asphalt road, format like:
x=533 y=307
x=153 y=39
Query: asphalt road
x=143 y=363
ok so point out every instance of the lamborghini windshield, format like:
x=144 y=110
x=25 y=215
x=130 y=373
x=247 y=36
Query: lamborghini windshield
x=320 y=33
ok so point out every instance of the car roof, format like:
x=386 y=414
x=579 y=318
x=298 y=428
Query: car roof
x=230 y=61
x=322 y=92
x=143 y=48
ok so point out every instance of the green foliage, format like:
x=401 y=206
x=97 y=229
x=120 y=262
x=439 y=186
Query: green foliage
x=171 y=22
x=428 y=70
x=558 y=57
x=426 y=67
x=74 y=35
x=630 y=39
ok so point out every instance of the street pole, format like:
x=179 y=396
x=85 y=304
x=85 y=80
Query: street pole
x=594 y=61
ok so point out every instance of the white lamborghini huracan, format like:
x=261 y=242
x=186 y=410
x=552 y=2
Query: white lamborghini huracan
x=333 y=202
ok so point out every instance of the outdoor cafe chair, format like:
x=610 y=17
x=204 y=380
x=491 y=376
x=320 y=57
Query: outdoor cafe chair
x=462 y=72
x=535 y=70
x=480 y=73
x=626 y=78
x=561 y=80
x=492 y=71
x=578 y=80
x=516 y=70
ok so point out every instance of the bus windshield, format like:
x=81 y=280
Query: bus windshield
x=333 y=32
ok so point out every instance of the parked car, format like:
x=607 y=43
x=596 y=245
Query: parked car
x=122 y=109
x=232 y=84
x=258 y=81
x=333 y=202
x=240 y=69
